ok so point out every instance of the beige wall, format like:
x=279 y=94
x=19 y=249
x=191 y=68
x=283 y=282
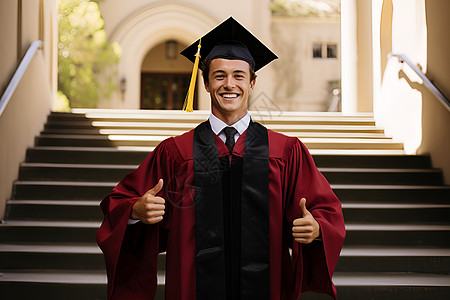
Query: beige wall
x=8 y=46
x=302 y=82
x=140 y=26
x=357 y=50
x=156 y=61
x=403 y=105
x=24 y=116
x=364 y=56
x=397 y=104
x=435 y=118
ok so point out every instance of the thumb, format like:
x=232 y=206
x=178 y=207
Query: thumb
x=302 y=205
x=158 y=187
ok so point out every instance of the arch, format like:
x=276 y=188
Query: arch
x=145 y=30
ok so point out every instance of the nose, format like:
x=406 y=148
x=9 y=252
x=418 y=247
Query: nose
x=229 y=82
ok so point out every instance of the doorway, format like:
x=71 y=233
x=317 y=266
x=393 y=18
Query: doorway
x=164 y=90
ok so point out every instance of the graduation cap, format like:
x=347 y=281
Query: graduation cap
x=229 y=40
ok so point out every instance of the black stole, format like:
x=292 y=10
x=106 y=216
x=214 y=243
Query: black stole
x=232 y=217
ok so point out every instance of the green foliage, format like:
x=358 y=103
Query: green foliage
x=306 y=8
x=86 y=62
x=62 y=103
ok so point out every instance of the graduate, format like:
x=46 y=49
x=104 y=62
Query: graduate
x=241 y=211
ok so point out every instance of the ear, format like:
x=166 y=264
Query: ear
x=206 y=84
x=252 y=84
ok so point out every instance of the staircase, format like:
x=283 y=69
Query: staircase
x=396 y=208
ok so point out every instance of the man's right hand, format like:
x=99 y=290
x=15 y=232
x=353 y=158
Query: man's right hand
x=149 y=209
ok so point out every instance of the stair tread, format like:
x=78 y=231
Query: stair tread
x=50 y=248
x=389 y=279
x=56 y=202
x=393 y=205
x=205 y=112
x=394 y=251
x=71 y=183
x=77 y=166
x=346 y=251
x=339 y=278
x=66 y=277
x=396 y=227
x=321 y=169
x=343 y=152
x=378 y=170
x=389 y=187
x=76 y=224
x=72 y=276
x=161 y=138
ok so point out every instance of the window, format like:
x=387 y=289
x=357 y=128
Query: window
x=317 y=50
x=331 y=51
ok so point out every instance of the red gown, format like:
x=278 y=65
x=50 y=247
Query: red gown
x=131 y=250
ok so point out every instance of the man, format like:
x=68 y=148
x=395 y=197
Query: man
x=226 y=201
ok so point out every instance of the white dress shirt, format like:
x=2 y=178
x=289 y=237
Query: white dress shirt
x=217 y=125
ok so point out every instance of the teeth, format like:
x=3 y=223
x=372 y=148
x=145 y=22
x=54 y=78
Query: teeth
x=229 y=95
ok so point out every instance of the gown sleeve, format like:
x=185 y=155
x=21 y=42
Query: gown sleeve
x=314 y=263
x=131 y=251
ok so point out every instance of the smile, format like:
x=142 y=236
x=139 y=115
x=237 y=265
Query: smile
x=229 y=96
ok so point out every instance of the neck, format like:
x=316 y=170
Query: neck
x=231 y=118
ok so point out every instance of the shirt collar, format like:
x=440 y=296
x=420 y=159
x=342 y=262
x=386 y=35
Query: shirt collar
x=217 y=124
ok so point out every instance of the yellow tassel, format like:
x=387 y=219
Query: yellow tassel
x=189 y=101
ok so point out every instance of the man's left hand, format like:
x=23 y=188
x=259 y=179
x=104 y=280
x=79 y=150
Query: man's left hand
x=306 y=229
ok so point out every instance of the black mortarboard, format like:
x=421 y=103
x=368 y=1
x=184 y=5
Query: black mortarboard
x=230 y=40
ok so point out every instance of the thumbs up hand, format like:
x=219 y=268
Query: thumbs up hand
x=149 y=209
x=305 y=229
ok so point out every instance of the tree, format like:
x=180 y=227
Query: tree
x=86 y=61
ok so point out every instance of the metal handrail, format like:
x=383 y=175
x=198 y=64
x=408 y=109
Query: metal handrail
x=433 y=89
x=10 y=89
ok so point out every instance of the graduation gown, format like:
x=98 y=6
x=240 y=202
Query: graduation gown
x=131 y=250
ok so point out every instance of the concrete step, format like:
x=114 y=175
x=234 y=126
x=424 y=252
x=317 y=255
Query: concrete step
x=392 y=193
x=88 y=285
x=84 y=155
x=169 y=117
x=73 y=190
x=44 y=232
x=383 y=176
x=357 y=234
x=395 y=259
x=115 y=172
x=65 y=190
x=353 y=259
x=153 y=141
x=169 y=133
x=44 y=210
x=356 y=213
x=51 y=257
x=350 y=286
x=56 y=257
x=397 y=235
x=299 y=131
x=112 y=155
x=387 y=286
x=393 y=213
x=59 y=284
x=74 y=172
x=105 y=155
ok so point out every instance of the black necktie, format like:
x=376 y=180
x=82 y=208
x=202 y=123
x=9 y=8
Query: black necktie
x=229 y=133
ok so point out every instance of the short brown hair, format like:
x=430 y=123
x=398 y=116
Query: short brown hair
x=204 y=66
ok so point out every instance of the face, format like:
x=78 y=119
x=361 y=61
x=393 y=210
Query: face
x=229 y=86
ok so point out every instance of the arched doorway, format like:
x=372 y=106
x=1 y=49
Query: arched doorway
x=165 y=77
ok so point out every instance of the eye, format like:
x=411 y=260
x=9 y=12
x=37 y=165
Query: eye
x=219 y=76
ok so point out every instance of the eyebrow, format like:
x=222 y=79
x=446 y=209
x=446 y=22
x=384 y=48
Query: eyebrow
x=222 y=71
